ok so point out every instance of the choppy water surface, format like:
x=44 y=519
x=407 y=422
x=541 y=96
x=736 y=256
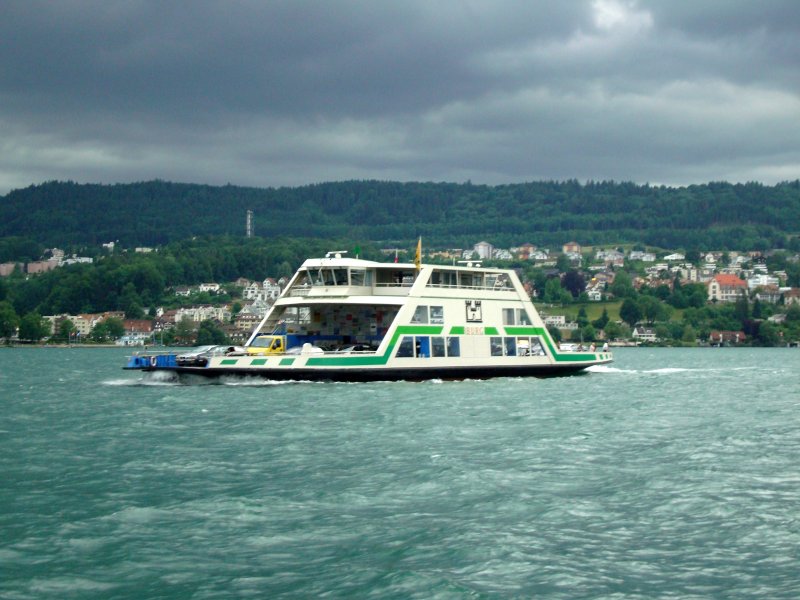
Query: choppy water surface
x=671 y=473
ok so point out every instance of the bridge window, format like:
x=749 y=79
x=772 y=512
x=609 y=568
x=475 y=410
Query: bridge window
x=358 y=277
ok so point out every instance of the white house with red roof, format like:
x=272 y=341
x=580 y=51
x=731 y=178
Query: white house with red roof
x=726 y=288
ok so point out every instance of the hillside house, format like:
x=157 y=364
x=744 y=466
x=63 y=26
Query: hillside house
x=246 y=320
x=8 y=268
x=203 y=313
x=642 y=256
x=484 y=250
x=270 y=289
x=726 y=338
x=594 y=294
x=644 y=334
x=762 y=280
x=41 y=266
x=540 y=255
x=769 y=293
x=524 y=252
x=726 y=288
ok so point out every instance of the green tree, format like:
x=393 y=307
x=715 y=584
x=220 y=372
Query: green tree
x=622 y=286
x=284 y=270
x=662 y=332
x=66 y=329
x=741 y=309
x=115 y=327
x=793 y=314
x=630 y=312
x=651 y=309
x=184 y=331
x=130 y=302
x=574 y=283
x=99 y=333
x=600 y=323
x=757 y=310
x=768 y=334
x=552 y=291
x=9 y=321
x=615 y=331
x=210 y=333
x=32 y=327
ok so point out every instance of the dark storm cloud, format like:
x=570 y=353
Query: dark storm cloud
x=286 y=93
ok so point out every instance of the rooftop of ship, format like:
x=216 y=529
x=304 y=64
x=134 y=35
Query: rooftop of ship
x=337 y=260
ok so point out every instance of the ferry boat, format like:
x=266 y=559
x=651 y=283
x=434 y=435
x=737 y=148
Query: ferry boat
x=348 y=319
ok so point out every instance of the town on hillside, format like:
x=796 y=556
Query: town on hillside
x=585 y=294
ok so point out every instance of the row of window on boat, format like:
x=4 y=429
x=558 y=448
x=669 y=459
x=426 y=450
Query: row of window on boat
x=424 y=346
x=435 y=315
x=342 y=276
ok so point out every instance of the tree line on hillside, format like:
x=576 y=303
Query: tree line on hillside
x=548 y=213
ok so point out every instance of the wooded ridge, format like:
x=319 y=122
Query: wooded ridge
x=546 y=213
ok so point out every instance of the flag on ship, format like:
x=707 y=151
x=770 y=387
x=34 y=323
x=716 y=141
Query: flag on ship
x=418 y=255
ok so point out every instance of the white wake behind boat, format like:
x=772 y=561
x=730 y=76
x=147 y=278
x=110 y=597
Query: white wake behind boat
x=346 y=319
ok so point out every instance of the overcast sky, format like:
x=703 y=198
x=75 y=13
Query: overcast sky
x=289 y=93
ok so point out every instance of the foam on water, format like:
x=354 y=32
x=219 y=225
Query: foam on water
x=668 y=474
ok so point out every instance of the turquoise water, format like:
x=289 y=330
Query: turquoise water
x=673 y=473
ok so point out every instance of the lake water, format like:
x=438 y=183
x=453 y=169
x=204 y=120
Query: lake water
x=673 y=473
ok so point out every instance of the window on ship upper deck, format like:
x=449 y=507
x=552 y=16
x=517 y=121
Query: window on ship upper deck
x=303 y=278
x=443 y=279
x=470 y=280
x=515 y=316
x=420 y=315
x=330 y=277
x=360 y=277
x=497 y=281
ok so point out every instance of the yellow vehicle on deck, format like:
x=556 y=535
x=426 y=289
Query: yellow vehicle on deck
x=267 y=344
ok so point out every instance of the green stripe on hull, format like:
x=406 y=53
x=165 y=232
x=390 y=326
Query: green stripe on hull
x=356 y=361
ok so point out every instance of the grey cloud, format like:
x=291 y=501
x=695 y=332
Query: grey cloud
x=294 y=92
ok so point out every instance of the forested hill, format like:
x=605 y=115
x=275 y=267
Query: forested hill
x=714 y=215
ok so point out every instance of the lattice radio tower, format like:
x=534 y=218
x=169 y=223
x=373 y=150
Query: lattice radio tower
x=249 y=226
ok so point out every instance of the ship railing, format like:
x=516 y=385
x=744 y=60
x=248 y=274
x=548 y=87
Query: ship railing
x=299 y=291
x=504 y=288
